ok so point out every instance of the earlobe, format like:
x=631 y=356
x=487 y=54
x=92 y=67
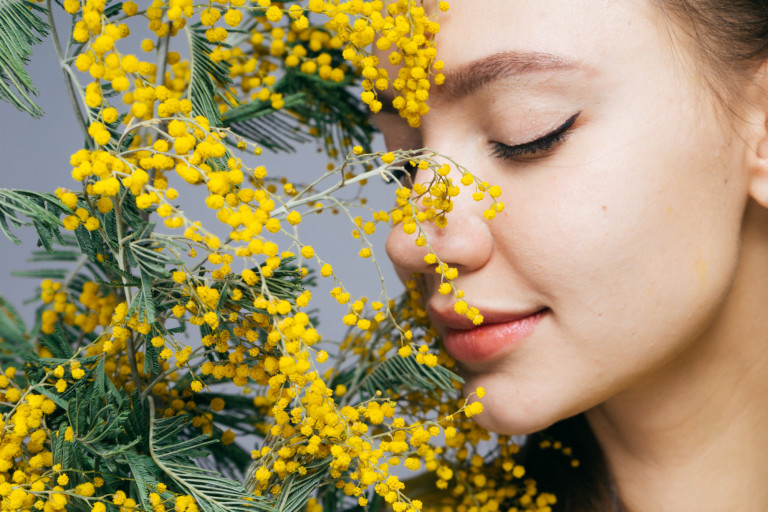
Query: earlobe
x=758 y=186
x=758 y=180
x=758 y=190
x=758 y=160
x=758 y=171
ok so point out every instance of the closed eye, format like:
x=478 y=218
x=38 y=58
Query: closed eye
x=540 y=145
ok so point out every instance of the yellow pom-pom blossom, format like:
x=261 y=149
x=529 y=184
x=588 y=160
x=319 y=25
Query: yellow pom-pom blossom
x=149 y=145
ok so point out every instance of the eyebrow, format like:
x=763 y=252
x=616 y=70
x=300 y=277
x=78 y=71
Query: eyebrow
x=470 y=77
x=475 y=75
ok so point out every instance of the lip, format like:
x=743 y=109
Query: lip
x=498 y=333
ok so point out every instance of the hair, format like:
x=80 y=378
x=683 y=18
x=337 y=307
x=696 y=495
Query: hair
x=726 y=41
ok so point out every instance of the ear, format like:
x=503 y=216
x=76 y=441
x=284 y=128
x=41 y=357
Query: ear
x=757 y=136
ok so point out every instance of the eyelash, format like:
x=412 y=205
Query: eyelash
x=506 y=152
x=542 y=144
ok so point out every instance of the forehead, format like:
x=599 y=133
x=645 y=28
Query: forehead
x=587 y=31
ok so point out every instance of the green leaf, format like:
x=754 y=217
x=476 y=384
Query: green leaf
x=54 y=255
x=146 y=475
x=213 y=492
x=14 y=339
x=99 y=381
x=7 y=230
x=398 y=373
x=21 y=26
x=57 y=344
x=297 y=490
x=336 y=116
x=40 y=208
x=130 y=279
x=114 y=10
x=148 y=304
x=90 y=243
x=110 y=228
x=269 y=128
x=207 y=77
x=43 y=273
x=62 y=450
x=150 y=259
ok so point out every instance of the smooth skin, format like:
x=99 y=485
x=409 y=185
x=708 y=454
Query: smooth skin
x=644 y=232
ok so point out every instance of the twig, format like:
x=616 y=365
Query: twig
x=67 y=79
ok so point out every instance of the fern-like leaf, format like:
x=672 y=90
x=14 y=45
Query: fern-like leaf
x=273 y=129
x=297 y=489
x=207 y=77
x=21 y=26
x=212 y=492
x=405 y=373
x=14 y=339
x=41 y=209
x=146 y=475
x=329 y=108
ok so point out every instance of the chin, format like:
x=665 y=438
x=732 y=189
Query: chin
x=509 y=423
x=507 y=410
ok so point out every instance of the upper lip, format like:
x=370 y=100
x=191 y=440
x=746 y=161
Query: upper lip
x=449 y=319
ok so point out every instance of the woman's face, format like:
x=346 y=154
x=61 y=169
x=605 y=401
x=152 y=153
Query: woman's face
x=618 y=244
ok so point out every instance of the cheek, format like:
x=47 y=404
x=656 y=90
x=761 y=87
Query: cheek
x=629 y=255
x=638 y=242
x=633 y=265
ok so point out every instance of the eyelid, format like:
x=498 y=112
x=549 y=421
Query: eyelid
x=541 y=144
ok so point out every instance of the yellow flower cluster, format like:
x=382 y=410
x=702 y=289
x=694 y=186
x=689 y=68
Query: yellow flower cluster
x=474 y=481
x=91 y=309
x=80 y=215
x=319 y=428
x=276 y=41
x=402 y=27
x=431 y=202
x=188 y=144
x=27 y=473
x=466 y=477
x=255 y=326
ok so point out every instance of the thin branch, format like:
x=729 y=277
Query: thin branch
x=67 y=80
x=162 y=59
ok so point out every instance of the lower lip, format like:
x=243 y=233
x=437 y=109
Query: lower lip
x=488 y=342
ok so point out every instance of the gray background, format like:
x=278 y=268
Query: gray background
x=36 y=155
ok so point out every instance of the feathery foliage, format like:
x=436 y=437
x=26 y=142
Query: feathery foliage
x=42 y=209
x=314 y=108
x=207 y=78
x=21 y=27
x=159 y=339
x=398 y=374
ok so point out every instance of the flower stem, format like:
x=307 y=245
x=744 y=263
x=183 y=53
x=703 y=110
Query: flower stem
x=67 y=80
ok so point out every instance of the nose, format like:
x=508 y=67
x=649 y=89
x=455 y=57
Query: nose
x=465 y=242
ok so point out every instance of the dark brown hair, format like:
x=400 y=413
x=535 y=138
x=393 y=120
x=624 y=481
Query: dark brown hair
x=727 y=40
x=586 y=488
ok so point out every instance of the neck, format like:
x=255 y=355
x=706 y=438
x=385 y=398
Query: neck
x=693 y=436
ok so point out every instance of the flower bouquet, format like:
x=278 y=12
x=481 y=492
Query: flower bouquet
x=158 y=339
